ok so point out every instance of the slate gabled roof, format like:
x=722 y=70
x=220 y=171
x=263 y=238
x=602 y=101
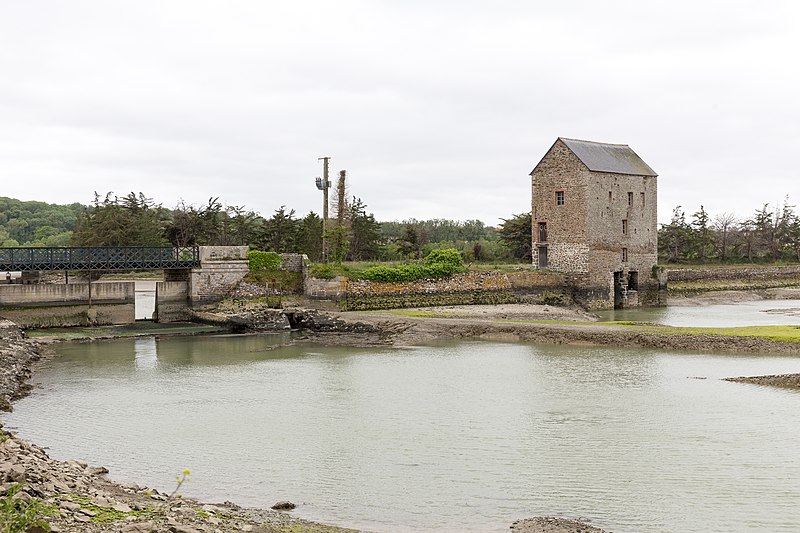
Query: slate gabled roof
x=602 y=157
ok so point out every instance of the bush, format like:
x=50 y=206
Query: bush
x=445 y=256
x=438 y=264
x=263 y=260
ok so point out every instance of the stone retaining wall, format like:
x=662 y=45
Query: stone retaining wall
x=32 y=306
x=732 y=273
x=461 y=289
x=221 y=269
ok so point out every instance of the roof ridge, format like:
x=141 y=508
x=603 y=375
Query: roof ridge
x=591 y=142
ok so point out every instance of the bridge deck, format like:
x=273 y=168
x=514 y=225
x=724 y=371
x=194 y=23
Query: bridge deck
x=98 y=258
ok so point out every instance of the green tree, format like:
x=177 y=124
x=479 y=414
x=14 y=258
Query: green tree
x=280 y=231
x=308 y=239
x=365 y=232
x=765 y=223
x=133 y=220
x=674 y=237
x=701 y=237
x=516 y=234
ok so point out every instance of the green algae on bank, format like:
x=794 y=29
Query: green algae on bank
x=773 y=333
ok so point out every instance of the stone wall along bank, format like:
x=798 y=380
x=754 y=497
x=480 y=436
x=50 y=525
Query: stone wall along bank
x=460 y=289
x=221 y=269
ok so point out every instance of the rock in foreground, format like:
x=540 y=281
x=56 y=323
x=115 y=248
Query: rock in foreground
x=549 y=524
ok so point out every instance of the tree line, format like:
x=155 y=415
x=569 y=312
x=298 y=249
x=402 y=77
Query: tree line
x=353 y=233
x=770 y=234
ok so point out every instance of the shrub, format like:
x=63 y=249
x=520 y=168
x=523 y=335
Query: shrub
x=438 y=264
x=263 y=260
x=445 y=256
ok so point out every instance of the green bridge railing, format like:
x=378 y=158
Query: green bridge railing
x=99 y=258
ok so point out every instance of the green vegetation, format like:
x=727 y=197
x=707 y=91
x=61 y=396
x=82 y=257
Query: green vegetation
x=277 y=279
x=105 y=515
x=20 y=514
x=769 y=235
x=36 y=223
x=260 y=261
x=773 y=333
x=439 y=263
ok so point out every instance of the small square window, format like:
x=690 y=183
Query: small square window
x=624 y=227
x=559 y=197
x=624 y=255
x=630 y=198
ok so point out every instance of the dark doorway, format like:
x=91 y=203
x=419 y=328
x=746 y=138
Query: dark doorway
x=617 y=290
x=542 y=256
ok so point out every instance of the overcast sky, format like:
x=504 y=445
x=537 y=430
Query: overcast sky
x=436 y=109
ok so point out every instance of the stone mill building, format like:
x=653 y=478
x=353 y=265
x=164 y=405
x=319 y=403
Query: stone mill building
x=594 y=219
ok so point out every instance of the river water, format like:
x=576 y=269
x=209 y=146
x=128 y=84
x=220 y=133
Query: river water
x=465 y=436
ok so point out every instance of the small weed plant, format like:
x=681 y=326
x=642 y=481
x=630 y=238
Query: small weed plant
x=19 y=514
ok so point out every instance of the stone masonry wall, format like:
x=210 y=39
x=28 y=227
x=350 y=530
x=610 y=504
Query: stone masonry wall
x=294 y=262
x=587 y=235
x=460 y=289
x=568 y=257
x=733 y=273
x=221 y=269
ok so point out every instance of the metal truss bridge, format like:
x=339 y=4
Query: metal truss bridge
x=98 y=258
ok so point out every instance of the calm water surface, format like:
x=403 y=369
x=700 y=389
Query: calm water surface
x=454 y=437
x=757 y=313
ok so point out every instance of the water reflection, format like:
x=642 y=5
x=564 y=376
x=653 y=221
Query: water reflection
x=146 y=354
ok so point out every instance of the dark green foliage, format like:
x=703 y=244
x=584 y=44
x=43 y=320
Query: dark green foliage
x=18 y=515
x=212 y=225
x=263 y=260
x=365 y=233
x=36 y=223
x=437 y=230
x=280 y=232
x=133 y=220
x=308 y=239
x=516 y=234
x=770 y=235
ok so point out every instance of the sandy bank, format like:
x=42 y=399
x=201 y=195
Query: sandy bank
x=545 y=324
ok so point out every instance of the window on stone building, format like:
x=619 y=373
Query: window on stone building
x=630 y=198
x=633 y=281
x=609 y=196
x=642 y=199
x=559 y=197
x=542 y=235
x=624 y=255
x=624 y=227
